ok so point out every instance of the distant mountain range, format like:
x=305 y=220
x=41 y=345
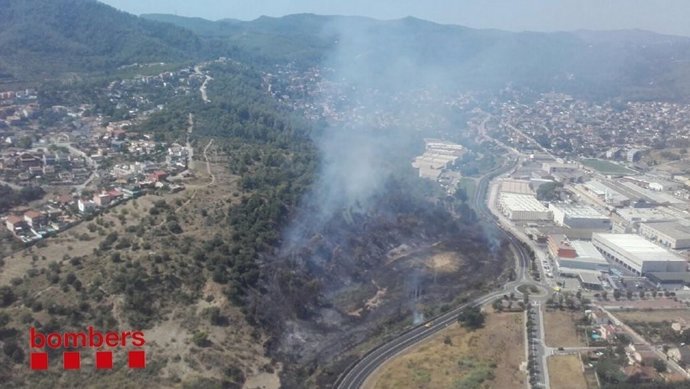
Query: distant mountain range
x=43 y=38
x=628 y=63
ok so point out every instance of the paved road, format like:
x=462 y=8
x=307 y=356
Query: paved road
x=358 y=373
x=538 y=351
x=11 y=185
x=93 y=164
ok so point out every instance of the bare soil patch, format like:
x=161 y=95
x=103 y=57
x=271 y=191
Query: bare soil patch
x=560 y=329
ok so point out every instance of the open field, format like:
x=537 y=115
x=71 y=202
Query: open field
x=666 y=156
x=655 y=316
x=606 y=167
x=647 y=305
x=488 y=358
x=565 y=372
x=560 y=330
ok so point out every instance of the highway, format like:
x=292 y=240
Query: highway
x=357 y=374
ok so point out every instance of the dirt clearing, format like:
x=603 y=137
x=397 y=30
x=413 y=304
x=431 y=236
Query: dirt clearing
x=560 y=329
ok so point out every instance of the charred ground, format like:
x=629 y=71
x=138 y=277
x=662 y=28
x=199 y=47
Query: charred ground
x=366 y=274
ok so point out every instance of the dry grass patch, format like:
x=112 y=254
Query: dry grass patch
x=565 y=372
x=488 y=358
x=655 y=316
x=444 y=262
x=561 y=329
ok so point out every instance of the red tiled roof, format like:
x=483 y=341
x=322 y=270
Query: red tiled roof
x=32 y=214
x=64 y=199
x=14 y=219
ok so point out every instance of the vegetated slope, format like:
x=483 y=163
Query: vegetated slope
x=299 y=39
x=631 y=63
x=181 y=267
x=311 y=299
x=45 y=38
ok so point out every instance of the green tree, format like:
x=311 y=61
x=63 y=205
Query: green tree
x=498 y=305
x=549 y=191
x=660 y=365
x=7 y=296
x=201 y=339
x=25 y=142
x=472 y=318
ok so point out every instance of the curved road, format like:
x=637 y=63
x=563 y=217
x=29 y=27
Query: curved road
x=356 y=375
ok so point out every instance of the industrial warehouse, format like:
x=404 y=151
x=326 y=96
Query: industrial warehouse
x=436 y=158
x=579 y=216
x=518 y=206
x=637 y=254
x=572 y=256
x=670 y=234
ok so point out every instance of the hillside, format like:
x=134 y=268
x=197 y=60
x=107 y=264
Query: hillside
x=629 y=64
x=296 y=244
x=78 y=36
x=44 y=38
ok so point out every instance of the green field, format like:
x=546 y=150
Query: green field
x=469 y=185
x=606 y=167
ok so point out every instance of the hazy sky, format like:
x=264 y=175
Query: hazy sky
x=666 y=16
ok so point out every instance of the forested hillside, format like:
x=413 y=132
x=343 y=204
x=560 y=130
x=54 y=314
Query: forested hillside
x=76 y=36
x=83 y=36
x=628 y=64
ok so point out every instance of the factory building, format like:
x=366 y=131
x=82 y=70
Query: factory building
x=579 y=216
x=670 y=234
x=560 y=167
x=635 y=216
x=516 y=186
x=604 y=195
x=637 y=254
x=590 y=281
x=576 y=255
x=437 y=157
x=522 y=207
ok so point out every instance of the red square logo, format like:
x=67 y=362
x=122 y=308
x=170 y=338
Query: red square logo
x=71 y=360
x=137 y=359
x=39 y=361
x=104 y=359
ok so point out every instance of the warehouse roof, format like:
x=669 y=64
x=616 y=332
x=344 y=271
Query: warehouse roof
x=516 y=186
x=589 y=278
x=586 y=252
x=632 y=215
x=670 y=277
x=602 y=190
x=578 y=210
x=522 y=202
x=674 y=230
x=636 y=248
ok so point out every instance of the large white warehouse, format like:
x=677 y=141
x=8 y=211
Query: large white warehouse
x=522 y=207
x=637 y=254
x=670 y=234
x=579 y=216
